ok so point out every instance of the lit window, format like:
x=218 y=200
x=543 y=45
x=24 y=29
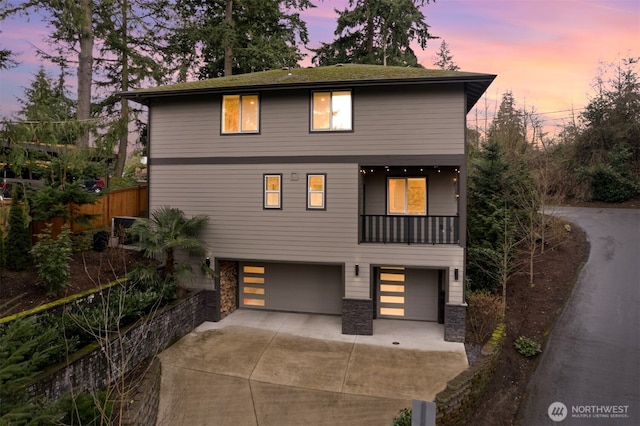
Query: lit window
x=272 y=191
x=316 y=193
x=240 y=114
x=331 y=111
x=407 y=196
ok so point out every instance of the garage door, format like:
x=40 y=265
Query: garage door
x=292 y=287
x=408 y=293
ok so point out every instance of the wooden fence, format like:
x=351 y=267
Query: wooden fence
x=119 y=202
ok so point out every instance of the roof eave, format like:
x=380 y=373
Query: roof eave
x=478 y=83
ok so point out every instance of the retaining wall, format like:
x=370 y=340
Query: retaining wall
x=457 y=402
x=98 y=365
x=142 y=409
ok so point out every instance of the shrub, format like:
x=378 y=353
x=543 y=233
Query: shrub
x=86 y=409
x=610 y=186
x=484 y=315
x=403 y=418
x=527 y=346
x=25 y=347
x=53 y=258
x=18 y=238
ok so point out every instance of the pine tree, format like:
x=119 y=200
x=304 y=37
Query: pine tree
x=508 y=128
x=377 y=32
x=220 y=38
x=18 y=238
x=25 y=348
x=444 y=58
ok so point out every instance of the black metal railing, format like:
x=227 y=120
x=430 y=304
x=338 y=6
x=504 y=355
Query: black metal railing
x=409 y=229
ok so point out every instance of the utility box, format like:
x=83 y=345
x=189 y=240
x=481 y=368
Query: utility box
x=423 y=413
x=119 y=235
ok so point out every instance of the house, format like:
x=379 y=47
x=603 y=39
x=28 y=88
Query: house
x=331 y=190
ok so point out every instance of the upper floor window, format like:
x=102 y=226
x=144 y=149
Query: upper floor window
x=240 y=113
x=272 y=191
x=407 y=196
x=331 y=110
x=316 y=192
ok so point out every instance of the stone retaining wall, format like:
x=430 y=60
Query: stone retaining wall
x=143 y=407
x=457 y=402
x=96 y=366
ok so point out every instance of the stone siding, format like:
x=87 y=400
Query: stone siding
x=357 y=317
x=455 y=323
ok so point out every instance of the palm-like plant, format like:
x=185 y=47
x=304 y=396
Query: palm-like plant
x=168 y=231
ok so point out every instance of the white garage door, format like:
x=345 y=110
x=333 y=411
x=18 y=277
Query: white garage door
x=410 y=294
x=292 y=287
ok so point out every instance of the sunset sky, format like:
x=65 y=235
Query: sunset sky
x=547 y=52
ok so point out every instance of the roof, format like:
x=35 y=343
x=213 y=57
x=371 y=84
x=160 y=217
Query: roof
x=330 y=76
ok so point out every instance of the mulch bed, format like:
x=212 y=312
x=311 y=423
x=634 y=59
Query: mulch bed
x=531 y=312
x=22 y=290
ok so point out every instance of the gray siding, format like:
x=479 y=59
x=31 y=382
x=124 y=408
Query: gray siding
x=398 y=121
x=239 y=228
x=442 y=193
x=413 y=121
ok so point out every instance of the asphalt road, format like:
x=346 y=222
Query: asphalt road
x=589 y=373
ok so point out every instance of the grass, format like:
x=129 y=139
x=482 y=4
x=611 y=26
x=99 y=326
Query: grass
x=336 y=73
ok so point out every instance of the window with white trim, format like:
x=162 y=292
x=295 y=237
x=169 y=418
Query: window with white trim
x=331 y=111
x=240 y=114
x=316 y=191
x=272 y=191
x=407 y=196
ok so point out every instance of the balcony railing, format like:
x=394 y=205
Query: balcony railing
x=409 y=229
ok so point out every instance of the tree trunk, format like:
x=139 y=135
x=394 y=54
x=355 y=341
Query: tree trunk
x=228 y=50
x=124 y=104
x=369 y=29
x=85 y=68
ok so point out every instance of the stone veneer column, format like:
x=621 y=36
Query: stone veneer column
x=357 y=317
x=455 y=323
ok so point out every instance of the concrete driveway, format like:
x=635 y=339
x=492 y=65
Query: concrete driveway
x=268 y=368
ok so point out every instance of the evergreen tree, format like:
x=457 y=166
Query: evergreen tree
x=73 y=35
x=18 y=237
x=7 y=58
x=47 y=114
x=224 y=37
x=607 y=152
x=25 y=348
x=508 y=128
x=490 y=223
x=444 y=58
x=377 y=32
x=128 y=61
x=3 y=254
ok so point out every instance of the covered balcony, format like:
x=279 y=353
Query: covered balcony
x=409 y=205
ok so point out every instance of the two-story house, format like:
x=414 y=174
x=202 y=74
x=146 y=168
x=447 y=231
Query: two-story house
x=331 y=190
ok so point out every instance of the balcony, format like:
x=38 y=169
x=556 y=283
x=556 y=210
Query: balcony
x=403 y=229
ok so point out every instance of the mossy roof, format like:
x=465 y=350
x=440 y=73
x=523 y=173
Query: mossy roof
x=318 y=77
